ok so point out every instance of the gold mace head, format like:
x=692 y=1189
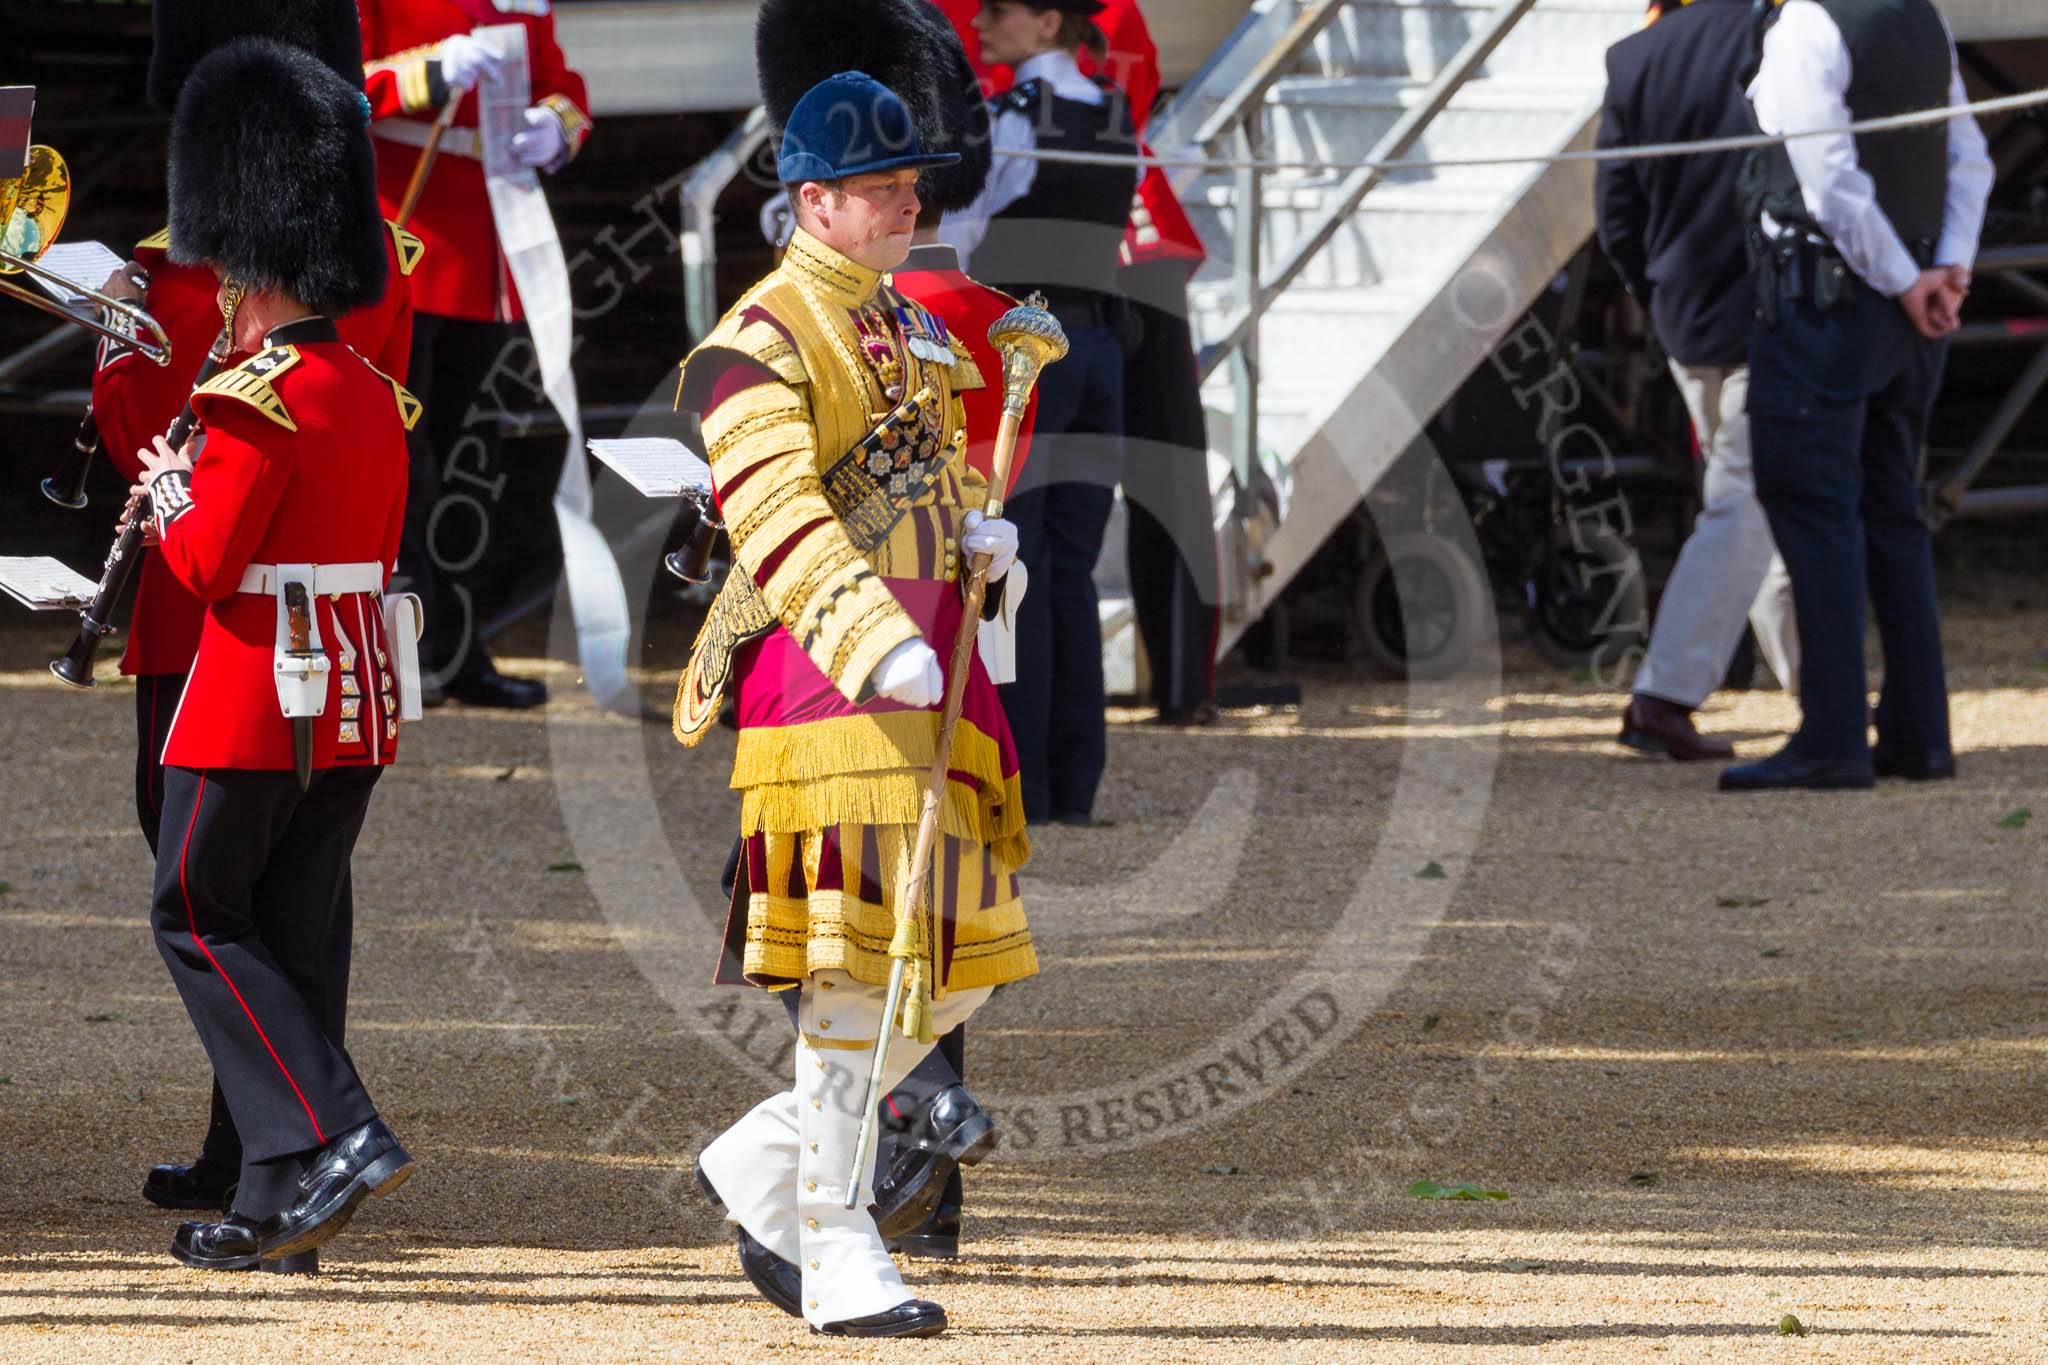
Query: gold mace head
x=1029 y=338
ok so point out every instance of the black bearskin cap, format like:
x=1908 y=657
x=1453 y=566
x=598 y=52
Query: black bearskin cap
x=907 y=45
x=273 y=180
x=186 y=30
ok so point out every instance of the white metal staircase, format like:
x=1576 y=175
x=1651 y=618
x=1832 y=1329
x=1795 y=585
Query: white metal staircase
x=1338 y=318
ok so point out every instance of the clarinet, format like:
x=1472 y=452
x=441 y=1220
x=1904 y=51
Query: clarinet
x=66 y=487
x=95 y=623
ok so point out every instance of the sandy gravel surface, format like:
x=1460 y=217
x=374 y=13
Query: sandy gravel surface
x=1732 y=1058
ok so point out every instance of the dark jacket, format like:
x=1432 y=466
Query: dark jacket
x=1673 y=227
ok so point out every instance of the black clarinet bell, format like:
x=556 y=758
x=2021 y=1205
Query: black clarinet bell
x=66 y=487
x=75 y=668
x=692 y=563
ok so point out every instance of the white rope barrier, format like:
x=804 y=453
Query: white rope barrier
x=1655 y=151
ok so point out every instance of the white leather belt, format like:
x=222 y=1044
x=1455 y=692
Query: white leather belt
x=327 y=578
x=454 y=142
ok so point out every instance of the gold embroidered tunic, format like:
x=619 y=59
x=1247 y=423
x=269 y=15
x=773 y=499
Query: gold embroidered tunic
x=816 y=359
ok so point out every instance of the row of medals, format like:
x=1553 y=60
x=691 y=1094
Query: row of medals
x=905 y=460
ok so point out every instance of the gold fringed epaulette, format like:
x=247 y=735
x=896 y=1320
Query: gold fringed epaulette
x=252 y=381
x=409 y=407
x=160 y=240
x=406 y=247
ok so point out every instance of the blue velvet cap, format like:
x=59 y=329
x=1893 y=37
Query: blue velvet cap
x=851 y=124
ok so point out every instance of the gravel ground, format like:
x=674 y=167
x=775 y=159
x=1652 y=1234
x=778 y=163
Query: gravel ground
x=1732 y=1058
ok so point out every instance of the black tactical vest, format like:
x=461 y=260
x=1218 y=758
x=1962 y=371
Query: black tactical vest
x=1900 y=63
x=1064 y=236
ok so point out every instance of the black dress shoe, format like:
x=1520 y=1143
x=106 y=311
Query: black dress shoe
x=496 y=690
x=201 y=1185
x=1786 y=769
x=913 y=1318
x=348 y=1170
x=231 y=1244
x=952 y=1132
x=227 y=1245
x=1935 y=765
x=936 y=1239
x=778 y=1281
x=1187 y=717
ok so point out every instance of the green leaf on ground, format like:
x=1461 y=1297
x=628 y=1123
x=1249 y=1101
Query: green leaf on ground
x=103 y=1017
x=1741 y=902
x=1774 y=952
x=5 y=887
x=1789 y=1326
x=1430 y=1189
x=565 y=867
x=2017 y=820
x=1642 y=1177
x=1218 y=1168
x=6 y=1080
x=1524 y=1267
x=1430 y=1021
x=1432 y=871
x=135 y=1098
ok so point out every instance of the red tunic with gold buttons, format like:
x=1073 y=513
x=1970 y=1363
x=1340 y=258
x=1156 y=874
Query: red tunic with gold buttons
x=304 y=462
x=136 y=401
x=465 y=275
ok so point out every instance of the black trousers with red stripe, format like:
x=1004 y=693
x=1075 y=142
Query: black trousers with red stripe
x=156 y=703
x=252 y=882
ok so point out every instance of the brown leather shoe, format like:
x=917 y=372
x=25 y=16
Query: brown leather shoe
x=1652 y=725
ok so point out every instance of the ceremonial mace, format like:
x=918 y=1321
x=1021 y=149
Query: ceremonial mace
x=415 y=186
x=1029 y=338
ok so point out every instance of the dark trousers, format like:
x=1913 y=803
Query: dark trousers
x=252 y=888
x=1839 y=405
x=1061 y=509
x=455 y=484
x=1170 y=532
x=156 y=703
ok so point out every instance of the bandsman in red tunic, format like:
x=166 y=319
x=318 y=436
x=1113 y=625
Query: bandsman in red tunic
x=135 y=401
x=285 y=522
x=418 y=55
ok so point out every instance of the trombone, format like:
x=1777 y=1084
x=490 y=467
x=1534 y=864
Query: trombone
x=33 y=206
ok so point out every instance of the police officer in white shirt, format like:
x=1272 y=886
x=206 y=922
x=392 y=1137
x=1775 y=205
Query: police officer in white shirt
x=1057 y=227
x=1864 y=246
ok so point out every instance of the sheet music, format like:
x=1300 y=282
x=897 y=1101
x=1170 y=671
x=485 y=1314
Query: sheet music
x=41 y=583
x=659 y=466
x=82 y=263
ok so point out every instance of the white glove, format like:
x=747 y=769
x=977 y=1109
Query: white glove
x=544 y=144
x=465 y=60
x=910 y=674
x=993 y=537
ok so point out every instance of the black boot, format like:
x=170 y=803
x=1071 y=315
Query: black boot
x=938 y=1237
x=911 y=1318
x=778 y=1281
x=209 y=1181
x=952 y=1132
x=340 y=1176
x=201 y=1185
